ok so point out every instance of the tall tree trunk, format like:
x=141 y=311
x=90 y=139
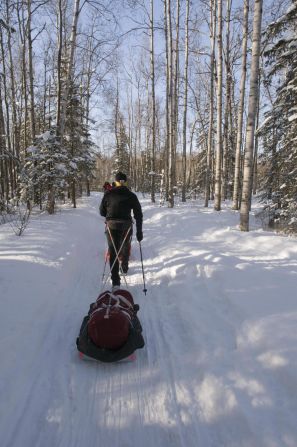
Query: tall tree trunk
x=175 y=77
x=138 y=140
x=217 y=205
x=147 y=130
x=166 y=154
x=117 y=122
x=213 y=21
x=241 y=108
x=15 y=140
x=7 y=133
x=170 y=106
x=252 y=114
x=255 y=160
x=5 y=94
x=184 y=158
x=190 y=154
x=69 y=74
x=31 y=72
x=130 y=131
x=153 y=105
x=4 y=177
x=45 y=65
x=226 y=138
x=59 y=66
x=24 y=95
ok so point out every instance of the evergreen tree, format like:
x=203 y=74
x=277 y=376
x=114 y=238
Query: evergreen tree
x=45 y=170
x=121 y=153
x=279 y=130
x=78 y=144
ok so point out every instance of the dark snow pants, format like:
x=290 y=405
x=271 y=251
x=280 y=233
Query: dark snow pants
x=116 y=231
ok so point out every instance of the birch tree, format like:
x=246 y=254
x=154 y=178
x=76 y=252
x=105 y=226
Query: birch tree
x=69 y=73
x=252 y=114
x=184 y=156
x=153 y=119
x=59 y=64
x=170 y=129
x=212 y=29
x=236 y=188
x=226 y=136
x=176 y=76
x=218 y=169
x=15 y=128
x=30 y=69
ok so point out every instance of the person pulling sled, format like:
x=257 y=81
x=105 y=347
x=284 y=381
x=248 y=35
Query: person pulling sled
x=116 y=207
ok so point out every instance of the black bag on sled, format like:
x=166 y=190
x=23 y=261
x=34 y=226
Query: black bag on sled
x=111 y=331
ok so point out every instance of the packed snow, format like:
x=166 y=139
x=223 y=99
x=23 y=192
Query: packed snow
x=219 y=367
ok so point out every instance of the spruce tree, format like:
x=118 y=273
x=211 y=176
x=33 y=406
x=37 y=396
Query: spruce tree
x=45 y=170
x=279 y=130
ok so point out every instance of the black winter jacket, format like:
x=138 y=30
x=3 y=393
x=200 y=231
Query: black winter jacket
x=118 y=203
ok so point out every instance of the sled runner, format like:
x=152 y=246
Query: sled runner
x=111 y=331
x=129 y=359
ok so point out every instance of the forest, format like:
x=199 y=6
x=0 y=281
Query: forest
x=189 y=98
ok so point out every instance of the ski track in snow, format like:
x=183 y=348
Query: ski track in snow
x=214 y=371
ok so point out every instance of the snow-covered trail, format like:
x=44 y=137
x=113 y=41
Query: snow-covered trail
x=220 y=362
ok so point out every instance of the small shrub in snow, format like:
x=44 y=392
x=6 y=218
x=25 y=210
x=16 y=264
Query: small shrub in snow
x=17 y=214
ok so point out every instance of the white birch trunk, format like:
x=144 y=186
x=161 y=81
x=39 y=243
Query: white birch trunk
x=69 y=73
x=241 y=108
x=255 y=162
x=166 y=157
x=175 y=76
x=153 y=105
x=170 y=106
x=252 y=114
x=59 y=63
x=184 y=158
x=217 y=205
x=31 y=73
x=227 y=106
x=213 y=21
x=15 y=136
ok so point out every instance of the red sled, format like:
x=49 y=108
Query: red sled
x=111 y=332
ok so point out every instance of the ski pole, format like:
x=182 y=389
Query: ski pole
x=103 y=274
x=117 y=253
x=144 y=288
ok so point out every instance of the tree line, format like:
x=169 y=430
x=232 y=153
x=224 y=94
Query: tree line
x=48 y=79
x=189 y=96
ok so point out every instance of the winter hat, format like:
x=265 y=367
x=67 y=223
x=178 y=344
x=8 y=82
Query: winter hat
x=111 y=332
x=107 y=186
x=121 y=178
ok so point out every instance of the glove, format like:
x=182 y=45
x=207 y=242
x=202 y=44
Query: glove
x=139 y=235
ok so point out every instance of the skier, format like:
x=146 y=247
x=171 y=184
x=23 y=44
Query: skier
x=107 y=186
x=116 y=207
